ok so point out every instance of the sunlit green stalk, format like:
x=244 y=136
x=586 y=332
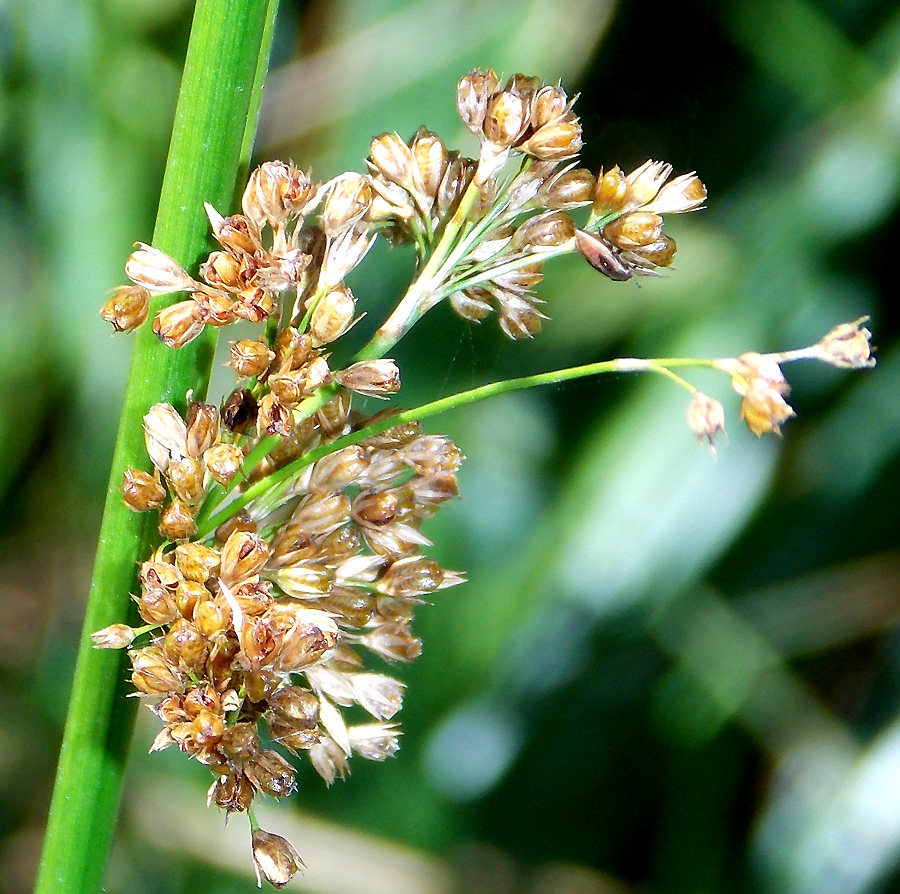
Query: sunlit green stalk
x=211 y=143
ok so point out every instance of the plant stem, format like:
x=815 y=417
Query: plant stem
x=660 y=365
x=225 y=62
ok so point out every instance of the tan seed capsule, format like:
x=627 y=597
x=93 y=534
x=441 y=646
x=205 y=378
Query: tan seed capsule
x=142 y=491
x=338 y=470
x=250 y=358
x=185 y=477
x=195 y=561
x=470 y=304
x=519 y=318
x=411 y=577
x=126 y=308
x=223 y=462
x=321 y=513
x=152 y=673
x=660 y=253
x=570 y=189
x=472 y=95
x=202 y=428
x=222 y=268
x=555 y=142
x=354 y=607
x=116 y=636
x=233 y=793
x=176 y=325
x=188 y=595
x=184 y=645
x=375 y=378
x=611 y=192
x=239 y=522
x=392 y=158
x=555 y=228
x=211 y=616
x=242 y=555
x=333 y=316
x=431 y=158
x=506 y=118
x=275 y=858
x=157 y=606
x=292 y=349
x=347 y=202
x=236 y=233
x=377 y=509
x=176 y=521
x=295 y=705
x=550 y=105
x=156 y=271
x=633 y=231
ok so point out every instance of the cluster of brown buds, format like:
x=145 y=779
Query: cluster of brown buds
x=290 y=522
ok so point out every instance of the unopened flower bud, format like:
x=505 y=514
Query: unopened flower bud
x=706 y=417
x=390 y=156
x=165 y=435
x=202 y=428
x=275 y=858
x=333 y=316
x=116 y=636
x=250 y=358
x=156 y=272
x=348 y=200
x=472 y=95
x=431 y=158
x=126 y=308
x=142 y=491
x=847 y=345
x=374 y=378
x=176 y=325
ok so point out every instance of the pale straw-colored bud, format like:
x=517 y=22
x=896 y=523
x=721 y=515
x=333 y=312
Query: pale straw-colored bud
x=338 y=470
x=393 y=642
x=684 y=193
x=250 y=358
x=116 y=636
x=610 y=193
x=506 y=119
x=433 y=454
x=165 y=435
x=431 y=158
x=706 y=417
x=645 y=182
x=223 y=462
x=633 y=231
x=202 y=427
x=242 y=555
x=472 y=95
x=142 y=491
x=764 y=408
x=471 y=304
x=301 y=581
x=195 y=561
x=236 y=233
x=156 y=271
x=126 y=308
x=374 y=378
x=519 y=318
x=328 y=759
x=393 y=159
x=239 y=410
x=177 y=325
x=555 y=142
x=348 y=200
x=569 y=190
x=274 y=417
x=185 y=477
x=310 y=637
x=176 y=521
x=332 y=316
x=847 y=346
x=602 y=256
x=381 y=696
x=411 y=577
x=275 y=193
x=343 y=254
x=374 y=741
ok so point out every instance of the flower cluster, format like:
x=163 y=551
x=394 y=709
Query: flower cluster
x=290 y=521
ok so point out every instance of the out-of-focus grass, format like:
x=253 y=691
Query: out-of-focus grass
x=664 y=672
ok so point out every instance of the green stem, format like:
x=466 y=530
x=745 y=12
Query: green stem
x=223 y=72
x=661 y=365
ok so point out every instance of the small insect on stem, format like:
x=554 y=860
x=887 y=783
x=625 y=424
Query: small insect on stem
x=602 y=256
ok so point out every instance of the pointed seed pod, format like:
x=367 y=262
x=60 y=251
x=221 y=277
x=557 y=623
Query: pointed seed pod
x=176 y=325
x=242 y=555
x=374 y=378
x=202 y=424
x=176 y=521
x=472 y=95
x=126 y=308
x=223 y=462
x=332 y=316
x=142 y=491
x=275 y=858
x=250 y=358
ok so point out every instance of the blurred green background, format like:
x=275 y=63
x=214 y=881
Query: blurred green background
x=665 y=674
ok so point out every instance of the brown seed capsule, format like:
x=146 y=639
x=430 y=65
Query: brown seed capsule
x=195 y=561
x=333 y=316
x=184 y=645
x=233 y=793
x=519 y=318
x=239 y=522
x=275 y=858
x=242 y=555
x=633 y=231
x=550 y=105
x=126 y=308
x=354 y=607
x=239 y=410
x=185 y=477
x=411 y=577
x=611 y=192
x=394 y=642
x=555 y=228
x=276 y=192
x=202 y=428
x=236 y=233
x=472 y=95
x=116 y=636
x=211 y=616
x=431 y=158
x=308 y=637
x=250 y=358
x=660 y=253
x=176 y=521
x=338 y=470
x=602 y=256
x=142 y=491
x=376 y=509
x=274 y=417
x=471 y=304
x=188 y=595
x=295 y=705
x=569 y=190
x=223 y=462
x=555 y=142
x=222 y=268
x=157 y=605
x=506 y=118
x=393 y=159
x=176 y=325
x=152 y=673
x=321 y=513
x=375 y=378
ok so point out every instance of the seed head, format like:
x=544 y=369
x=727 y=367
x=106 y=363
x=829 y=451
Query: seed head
x=706 y=417
x=847 y=345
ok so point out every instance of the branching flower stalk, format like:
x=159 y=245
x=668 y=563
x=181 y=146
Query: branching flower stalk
x=290 y=521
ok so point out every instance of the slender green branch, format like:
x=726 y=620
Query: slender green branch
x=210 y=142
x=454 y=401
